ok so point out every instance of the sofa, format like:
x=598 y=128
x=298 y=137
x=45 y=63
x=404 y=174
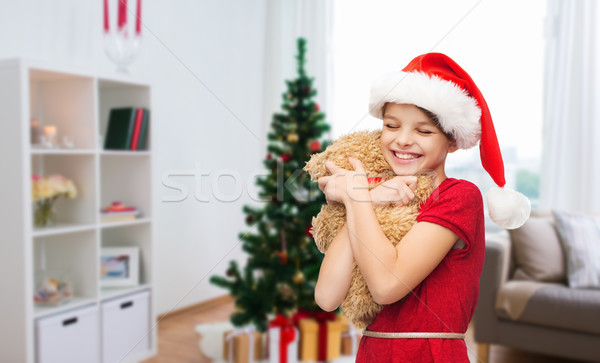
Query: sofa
x=538 y=289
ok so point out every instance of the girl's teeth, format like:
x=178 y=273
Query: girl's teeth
x=405 y=156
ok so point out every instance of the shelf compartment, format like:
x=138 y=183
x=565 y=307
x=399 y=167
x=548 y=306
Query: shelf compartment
x=69 y=337
x=70 y=256
x=67 y=102
x=115 y=94
x=81 y=170
x=126 y=180
x=135 y=235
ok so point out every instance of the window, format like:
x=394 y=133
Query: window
x=500 y=44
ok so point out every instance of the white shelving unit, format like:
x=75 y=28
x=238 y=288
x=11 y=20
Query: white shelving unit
x=78 y=104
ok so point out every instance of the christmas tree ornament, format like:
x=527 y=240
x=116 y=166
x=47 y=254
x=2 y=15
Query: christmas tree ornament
x=283 y=257
x=308 y=230
x=292 y=138
x=298 y=277
x=317 y=107
x=285 y=158
x=315 y=146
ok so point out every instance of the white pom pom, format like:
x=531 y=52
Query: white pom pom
x=508 y=208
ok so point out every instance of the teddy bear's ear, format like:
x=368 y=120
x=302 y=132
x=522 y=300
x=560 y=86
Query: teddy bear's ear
x=316 y=165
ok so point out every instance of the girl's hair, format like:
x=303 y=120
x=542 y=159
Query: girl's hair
x=432 y=116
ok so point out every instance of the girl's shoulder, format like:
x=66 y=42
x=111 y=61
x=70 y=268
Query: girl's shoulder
x=454 y=195
x=451 y=188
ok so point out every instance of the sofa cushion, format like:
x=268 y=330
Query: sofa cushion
x=537 y=251
x=562 y=307
x=580 y=237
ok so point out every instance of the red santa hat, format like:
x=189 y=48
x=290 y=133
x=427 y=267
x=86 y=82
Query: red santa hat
x=436 y=83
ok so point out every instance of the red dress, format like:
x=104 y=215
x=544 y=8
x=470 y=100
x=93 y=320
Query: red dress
x=445 y=301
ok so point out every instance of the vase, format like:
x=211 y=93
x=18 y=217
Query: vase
x=45 y=214
x=122 y=48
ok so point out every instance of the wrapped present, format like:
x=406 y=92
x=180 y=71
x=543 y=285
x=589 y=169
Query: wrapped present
x=320 y=336
x=242 y=345
x=282 y=340
x=350 y=336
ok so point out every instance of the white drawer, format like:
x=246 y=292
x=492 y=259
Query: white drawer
x=126 y=327
x=68 y=337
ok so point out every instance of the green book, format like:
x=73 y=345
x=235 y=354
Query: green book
x=120 y=128
x=144 y=130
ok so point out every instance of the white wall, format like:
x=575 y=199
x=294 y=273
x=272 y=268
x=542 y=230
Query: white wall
x=205 y=59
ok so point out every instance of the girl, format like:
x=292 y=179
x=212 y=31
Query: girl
x=429 y=282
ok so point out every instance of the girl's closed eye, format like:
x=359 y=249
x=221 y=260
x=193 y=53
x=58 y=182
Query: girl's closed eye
x=390 y=126
x=426 y=132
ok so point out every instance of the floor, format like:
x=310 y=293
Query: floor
x=178 y=342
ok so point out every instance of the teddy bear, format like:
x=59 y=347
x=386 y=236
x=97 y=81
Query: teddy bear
x=358 y=305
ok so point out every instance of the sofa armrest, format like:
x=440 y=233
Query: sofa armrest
x=494 y=274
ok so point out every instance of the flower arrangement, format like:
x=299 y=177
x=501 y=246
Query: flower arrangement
x=44 y=192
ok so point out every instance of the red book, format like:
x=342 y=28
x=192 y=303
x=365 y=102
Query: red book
x=139 y=115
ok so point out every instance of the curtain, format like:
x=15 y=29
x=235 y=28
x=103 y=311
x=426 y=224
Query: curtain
x=286 y=21
x=571 y=114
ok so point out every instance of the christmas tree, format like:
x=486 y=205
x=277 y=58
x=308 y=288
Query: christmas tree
x=283 y=264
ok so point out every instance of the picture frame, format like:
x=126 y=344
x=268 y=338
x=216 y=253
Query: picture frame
x=119 y=267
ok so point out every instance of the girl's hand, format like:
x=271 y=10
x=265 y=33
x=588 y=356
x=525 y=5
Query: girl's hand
x=343 y=185
x=397 y=191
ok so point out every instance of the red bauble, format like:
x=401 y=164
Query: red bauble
x=317 y=107
x=269 y=156
x=315 y=146
x=308 y=230
x=285 y=158
x=283 y=257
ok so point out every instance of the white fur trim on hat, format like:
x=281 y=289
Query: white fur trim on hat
x=457 y=112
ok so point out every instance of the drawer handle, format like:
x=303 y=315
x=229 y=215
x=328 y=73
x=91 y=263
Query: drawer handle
x=126 y=305
x=69 y=321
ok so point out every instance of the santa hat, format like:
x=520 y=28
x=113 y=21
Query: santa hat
x=436 y=83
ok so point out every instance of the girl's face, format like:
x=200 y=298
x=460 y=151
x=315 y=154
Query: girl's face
x=412 y=143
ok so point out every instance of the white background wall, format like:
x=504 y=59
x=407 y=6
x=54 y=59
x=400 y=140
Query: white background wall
x=206 y=61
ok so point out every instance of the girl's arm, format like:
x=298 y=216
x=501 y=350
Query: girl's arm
x=390 y=272
x=335 y=273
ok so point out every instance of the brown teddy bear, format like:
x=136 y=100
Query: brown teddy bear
x=396 y=221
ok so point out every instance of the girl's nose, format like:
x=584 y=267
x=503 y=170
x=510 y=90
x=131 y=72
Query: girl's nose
x=404 y=138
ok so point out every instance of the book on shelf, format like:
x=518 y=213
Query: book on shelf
x=139 y=115
x=118 y=216
x=118 y=212
x=144 y=130
x=127 y=129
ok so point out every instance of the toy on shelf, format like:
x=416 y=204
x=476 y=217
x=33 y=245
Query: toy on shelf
x=52 y=291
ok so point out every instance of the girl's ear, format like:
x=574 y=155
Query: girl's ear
x=452 y=147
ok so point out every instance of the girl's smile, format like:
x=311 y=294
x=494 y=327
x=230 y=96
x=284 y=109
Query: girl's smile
x=412 y=143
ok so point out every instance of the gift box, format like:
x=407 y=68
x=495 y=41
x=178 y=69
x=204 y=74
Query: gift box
x=350 y=336
x=242 y=345
x=320 y=337
x=282 y=340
